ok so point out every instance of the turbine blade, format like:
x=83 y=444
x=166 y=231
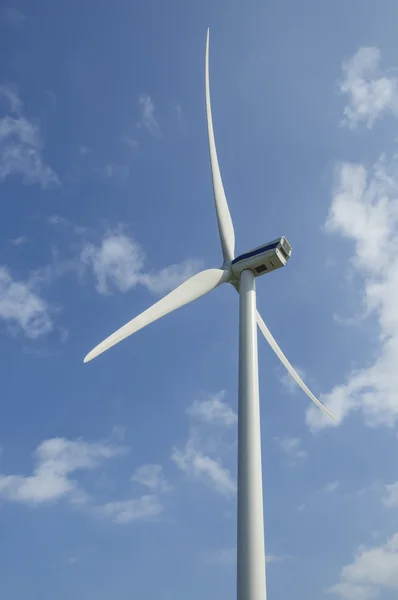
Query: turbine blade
x=190 y=290
x=272 y=342
x=225 y=226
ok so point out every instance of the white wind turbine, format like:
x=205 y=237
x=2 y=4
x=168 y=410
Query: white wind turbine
x=241 y=272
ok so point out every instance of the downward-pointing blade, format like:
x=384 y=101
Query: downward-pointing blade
x=190 y=290
x=225 y=226
x=272 y=342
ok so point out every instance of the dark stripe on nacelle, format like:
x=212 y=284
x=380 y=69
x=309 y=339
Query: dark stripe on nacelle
x=255 y=252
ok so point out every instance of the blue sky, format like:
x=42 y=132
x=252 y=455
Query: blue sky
x=118 y=478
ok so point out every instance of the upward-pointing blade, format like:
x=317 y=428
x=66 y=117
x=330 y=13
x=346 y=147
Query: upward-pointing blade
x=190 y=290
x=225 y=226
x=272 y=342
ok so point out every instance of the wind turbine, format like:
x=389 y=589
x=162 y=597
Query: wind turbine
x=241 y=272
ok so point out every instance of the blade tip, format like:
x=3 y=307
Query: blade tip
x=89 y=357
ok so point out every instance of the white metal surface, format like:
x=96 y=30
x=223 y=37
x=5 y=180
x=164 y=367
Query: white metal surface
x=260 y=263
x=225 y=225
x=251 y=579
x=190 y=290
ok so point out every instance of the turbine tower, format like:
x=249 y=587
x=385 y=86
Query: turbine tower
x=241 y=272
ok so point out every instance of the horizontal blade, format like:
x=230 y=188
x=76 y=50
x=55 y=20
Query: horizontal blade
x=225 y=226
x=190 y=290
x=272 y=342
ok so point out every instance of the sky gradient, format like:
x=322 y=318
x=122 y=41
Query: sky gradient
x=118 y=477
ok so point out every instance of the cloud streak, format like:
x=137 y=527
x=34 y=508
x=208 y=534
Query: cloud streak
x=21 y=145
x=213 y=409
x=364 y=210
x=372 y=570
x=200 y=466
x=371 y=93
x=118 y=263
x=148 y=120
x=56 y=460
x=22 y=308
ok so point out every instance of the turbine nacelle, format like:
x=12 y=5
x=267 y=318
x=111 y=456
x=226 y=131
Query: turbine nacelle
x=263 y=259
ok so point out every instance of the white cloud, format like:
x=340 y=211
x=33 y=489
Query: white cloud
x=331 y=487
x=20 y=306
x=56 y=459
x=372 y=570
x=118 y=432
x=391 y=498
x=10 y=95
x=152 y=477
x=148 y=507
x=118 y=262
x=113 y=171
x=213 y=410
x=21 y=145
x=203 y=468
x=371 y=93
x=129 y=141
x=292 y=448
x=84 y=150
x=136 y=509
x=148 y=119
x=364 y=210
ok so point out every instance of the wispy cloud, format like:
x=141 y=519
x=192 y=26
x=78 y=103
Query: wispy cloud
x=14 y=17
x=364 y=210
x=129 y=141
x=56 y=460
x=391 y=497
x=18 y=241
x=331 y=487
x=83 y=150
x=372 y=571
x=213 y=409
x=118 y=263
x=371 y=93
x=115 y=171
x=152 y=477
x=166 y=279
x=21 y=145
x=22 y=308
x=145 y=508
x=292 y=448
x=199 y=466
x=10 y=96
x=147 y=118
